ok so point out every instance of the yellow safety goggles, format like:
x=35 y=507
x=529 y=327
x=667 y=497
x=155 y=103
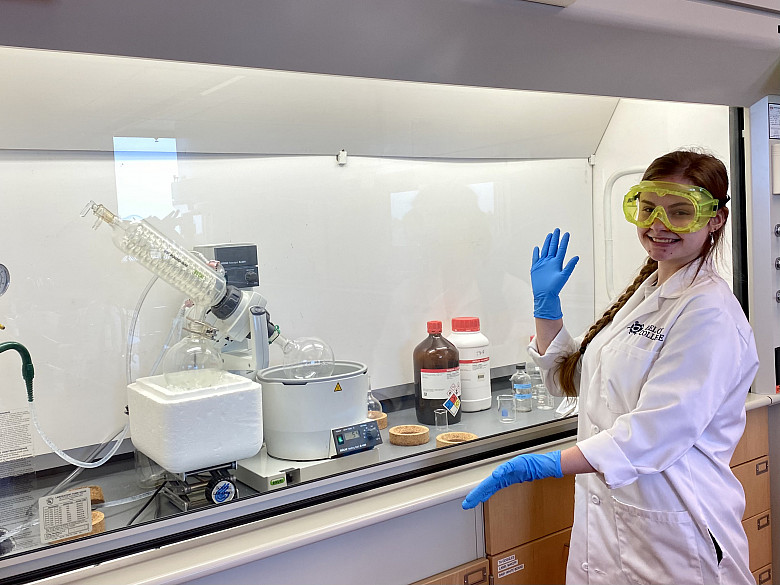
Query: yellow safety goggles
x=681 y=208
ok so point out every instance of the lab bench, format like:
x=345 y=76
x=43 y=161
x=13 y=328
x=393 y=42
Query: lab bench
x=406 y=499
x=138 y=519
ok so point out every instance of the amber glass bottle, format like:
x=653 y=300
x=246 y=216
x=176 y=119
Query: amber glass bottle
x=436 y=377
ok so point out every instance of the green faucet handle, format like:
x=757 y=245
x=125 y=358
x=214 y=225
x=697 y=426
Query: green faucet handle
x=28 y=372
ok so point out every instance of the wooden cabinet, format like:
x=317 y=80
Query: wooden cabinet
x=473 y=573
x=540 y=562
x=527 y=532
x=763 y=576
x=750 y=465
x=528 y=525
x=527 y=511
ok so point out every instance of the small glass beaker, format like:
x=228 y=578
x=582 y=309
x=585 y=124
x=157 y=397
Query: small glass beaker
x=506 y=408
x=544 y=400
x=440 y=418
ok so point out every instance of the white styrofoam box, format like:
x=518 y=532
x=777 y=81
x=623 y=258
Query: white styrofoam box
x=187 y=430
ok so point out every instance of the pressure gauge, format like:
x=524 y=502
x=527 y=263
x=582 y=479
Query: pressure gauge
x=5 y=279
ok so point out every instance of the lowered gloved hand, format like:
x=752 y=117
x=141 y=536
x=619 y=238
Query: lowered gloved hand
x=521 y=468
x=548 y=275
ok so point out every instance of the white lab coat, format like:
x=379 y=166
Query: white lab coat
x=662 y=406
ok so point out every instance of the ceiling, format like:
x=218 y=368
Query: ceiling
x=71 y=101
x=724 y=52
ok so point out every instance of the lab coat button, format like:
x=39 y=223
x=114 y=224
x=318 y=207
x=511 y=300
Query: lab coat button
x=595 y=499
x=585 y=567
x=595 y=430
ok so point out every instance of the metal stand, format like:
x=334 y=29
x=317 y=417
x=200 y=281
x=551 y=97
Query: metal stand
x=195 y=489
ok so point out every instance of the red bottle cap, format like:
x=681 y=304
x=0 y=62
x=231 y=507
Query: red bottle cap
x=434 y=326
x=465 y=324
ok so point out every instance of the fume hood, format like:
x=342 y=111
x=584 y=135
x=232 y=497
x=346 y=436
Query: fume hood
x=375 y=206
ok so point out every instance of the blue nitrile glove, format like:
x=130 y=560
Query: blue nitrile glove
x=548 y=275
x=521 y=468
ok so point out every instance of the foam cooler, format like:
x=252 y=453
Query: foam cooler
x=187 y=430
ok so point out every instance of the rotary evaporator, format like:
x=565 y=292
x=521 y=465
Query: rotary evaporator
x=206 y=417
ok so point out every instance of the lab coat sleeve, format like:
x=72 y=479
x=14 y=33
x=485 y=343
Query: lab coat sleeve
x=563 y=345
x=705 y=358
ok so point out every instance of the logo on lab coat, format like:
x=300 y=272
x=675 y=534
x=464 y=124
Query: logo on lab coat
x=650 y=331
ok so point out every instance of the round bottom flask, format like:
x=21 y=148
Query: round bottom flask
x=192 y=363
x=306 y=357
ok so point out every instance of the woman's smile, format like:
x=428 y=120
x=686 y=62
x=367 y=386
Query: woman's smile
x=663 y=239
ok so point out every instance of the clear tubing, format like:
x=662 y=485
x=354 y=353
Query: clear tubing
x=123 y=501
x=131 y=330
x=174 y=331
x=68 y=458
x=165 y=258
x=76 y=472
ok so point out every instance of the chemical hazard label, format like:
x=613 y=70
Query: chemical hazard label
x=453 y=404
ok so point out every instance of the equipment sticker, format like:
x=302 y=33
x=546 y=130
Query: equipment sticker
x=17 y=480
x=774 y=121
x=509 y=565
x=65 y=515
x=338 y=387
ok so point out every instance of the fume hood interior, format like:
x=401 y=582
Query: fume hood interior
x=430 y=212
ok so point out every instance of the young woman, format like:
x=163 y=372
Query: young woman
x=662 y=378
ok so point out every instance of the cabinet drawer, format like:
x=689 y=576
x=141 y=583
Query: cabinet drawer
x=763 y=576
x=541 y=562
x=473 y=573
x=754 y=477
x=755 y=440
x=524 y=512
x=759 y=534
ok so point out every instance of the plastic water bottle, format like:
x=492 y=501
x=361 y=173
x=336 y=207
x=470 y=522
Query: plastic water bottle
x=521 y=387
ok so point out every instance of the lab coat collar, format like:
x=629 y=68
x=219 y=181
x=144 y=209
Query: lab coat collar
x=682 y=279
x=647 y=299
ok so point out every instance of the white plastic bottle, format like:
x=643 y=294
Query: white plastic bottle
x=474 y=351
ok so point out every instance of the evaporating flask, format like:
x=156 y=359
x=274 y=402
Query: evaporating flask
x=192 y=363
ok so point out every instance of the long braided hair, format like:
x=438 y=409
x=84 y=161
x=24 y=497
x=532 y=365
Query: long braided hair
x=703 y=170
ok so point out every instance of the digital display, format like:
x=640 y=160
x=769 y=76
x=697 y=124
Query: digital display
x=351 y=435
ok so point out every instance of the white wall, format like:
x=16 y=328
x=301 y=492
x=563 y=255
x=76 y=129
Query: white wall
x=361 y=256
x=639 y=132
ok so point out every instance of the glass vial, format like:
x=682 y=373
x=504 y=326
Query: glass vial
x=521 y=387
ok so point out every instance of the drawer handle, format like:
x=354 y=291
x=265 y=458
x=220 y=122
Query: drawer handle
x=475 y=577
x=762 y=522
x=765 y=577
x=762 y=467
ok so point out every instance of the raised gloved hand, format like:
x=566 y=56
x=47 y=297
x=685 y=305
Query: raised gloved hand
x=522 y=468
x=548 y=275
